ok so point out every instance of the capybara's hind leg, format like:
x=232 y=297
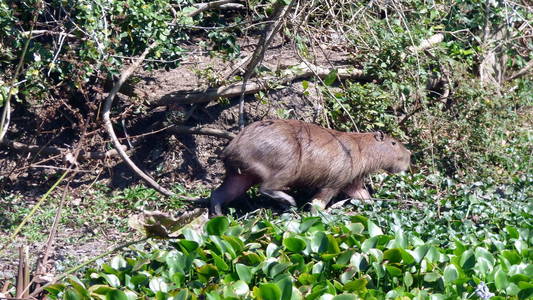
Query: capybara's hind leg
x=233 y=186
x=322 y=198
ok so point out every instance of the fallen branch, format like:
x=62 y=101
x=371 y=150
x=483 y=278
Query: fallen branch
x=57 y=151
x=427 y=43
x=177 y=129
x=213 y=4
x=232 y=90
x=521 y=72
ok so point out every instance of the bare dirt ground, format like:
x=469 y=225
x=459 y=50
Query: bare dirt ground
x=189 y=160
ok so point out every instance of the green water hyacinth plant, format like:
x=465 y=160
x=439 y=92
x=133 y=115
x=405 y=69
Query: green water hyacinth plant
x=315 y=257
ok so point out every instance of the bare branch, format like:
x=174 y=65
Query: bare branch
x=280 y=12
x=57 y=151
x=292 y=74
x=109 y=126
x=525 y=70
x=177 y=129
x=213 y=4
x=427 y=43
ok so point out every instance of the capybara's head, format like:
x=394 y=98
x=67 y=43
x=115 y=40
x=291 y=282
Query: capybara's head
x=393 y=155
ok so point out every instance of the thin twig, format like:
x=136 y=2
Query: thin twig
x=280 y=12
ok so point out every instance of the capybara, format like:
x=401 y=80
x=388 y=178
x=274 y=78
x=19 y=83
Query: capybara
x=277 y=154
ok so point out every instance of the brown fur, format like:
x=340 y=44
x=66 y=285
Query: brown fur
x=288 y=153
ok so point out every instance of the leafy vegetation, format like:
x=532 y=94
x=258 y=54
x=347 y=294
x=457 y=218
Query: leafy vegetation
x=392 y=253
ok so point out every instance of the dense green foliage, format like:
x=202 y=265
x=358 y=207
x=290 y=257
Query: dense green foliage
x=395 y=252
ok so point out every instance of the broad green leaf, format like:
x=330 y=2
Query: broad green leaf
x=393 y=271
x=348 y=275
x=380 y=271
x=100 y=289
x=373 y=229
x=236 y=244
x=376 y=254
x=213 y=296
x=359 y=261
x=468 y=260
x=431 y=277
x=333 y=246
x=407 y=258
x=182 y=295
x=420 y=252
x=512 y=231
x=220 y=263
x=369 y=244
x=319 y=243
x=359 y=219
x=240 y=287
x=483 y=266
x=500 y=280
x=393 y=255
x=207 y=271
x=267 y=291
x=345 y=257
x=244 y=272
x=512 y=256
x=356 y=228
x=358 y=285
x=78 y=286
x=306 y=279
x=294 y=244
x=217 y=225
x=55 y=289
x=318 y=267
x=116 y=295
x=408 y=279
x=308 y=223
x=189 y=246
x=450 y=274
x=285 y=285
x=111 y=279
x=118 y=262
x=71 y=294
x=526 y=293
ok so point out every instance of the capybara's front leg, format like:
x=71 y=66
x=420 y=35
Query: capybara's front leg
x=356 y=190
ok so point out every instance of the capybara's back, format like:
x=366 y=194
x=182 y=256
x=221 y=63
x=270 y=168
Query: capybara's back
x=285 y=153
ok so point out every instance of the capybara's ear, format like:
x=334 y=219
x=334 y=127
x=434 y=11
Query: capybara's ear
x=379 y=136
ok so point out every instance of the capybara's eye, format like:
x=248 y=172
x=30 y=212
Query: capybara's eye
x=393 y=143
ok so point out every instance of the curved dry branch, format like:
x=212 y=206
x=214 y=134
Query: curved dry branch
x=253 y=86
x=109 y=126
x=177 y=129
